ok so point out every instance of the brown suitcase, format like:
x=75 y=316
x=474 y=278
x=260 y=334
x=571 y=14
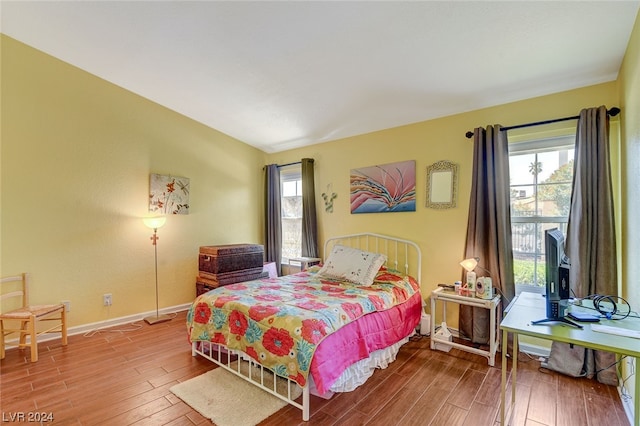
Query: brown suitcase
x=203 y=288
x=232 y=277
x=231 y=257
x=206 y=281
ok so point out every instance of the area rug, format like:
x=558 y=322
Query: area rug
x=229 y=400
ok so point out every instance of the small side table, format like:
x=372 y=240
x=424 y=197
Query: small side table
x=448 y=296
x=305 y=262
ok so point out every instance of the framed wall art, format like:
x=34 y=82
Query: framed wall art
x=168 y=194
x=384 y=188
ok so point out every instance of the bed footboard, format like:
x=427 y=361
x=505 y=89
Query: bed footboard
x=226 y=358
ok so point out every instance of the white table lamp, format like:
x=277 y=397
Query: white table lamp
x=469 y=265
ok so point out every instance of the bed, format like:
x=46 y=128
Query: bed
x=323 y=330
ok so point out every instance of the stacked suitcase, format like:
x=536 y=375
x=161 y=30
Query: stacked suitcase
x=228 y=264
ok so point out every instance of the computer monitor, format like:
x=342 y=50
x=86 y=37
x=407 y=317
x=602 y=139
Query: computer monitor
x=557 y=279
x=557 y=274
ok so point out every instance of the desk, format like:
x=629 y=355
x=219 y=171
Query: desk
x=451 y=297
x=531 y=307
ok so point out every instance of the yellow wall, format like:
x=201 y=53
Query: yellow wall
x=77 y=152
x=629 y=84
x=440 y=233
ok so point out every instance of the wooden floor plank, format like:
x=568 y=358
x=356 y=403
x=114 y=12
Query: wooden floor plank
x=450 y=415
x=542 y=404
x=465 y=392
x=427 y=407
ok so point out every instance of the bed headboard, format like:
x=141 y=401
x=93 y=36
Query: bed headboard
x=402 y=255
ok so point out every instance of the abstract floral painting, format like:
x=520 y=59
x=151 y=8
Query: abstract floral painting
x=168 y=194
x=386 y=188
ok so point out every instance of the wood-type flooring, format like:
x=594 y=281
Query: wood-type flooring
x=123 y=377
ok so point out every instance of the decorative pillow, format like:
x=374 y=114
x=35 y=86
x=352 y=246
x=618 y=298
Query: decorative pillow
x=353 y=265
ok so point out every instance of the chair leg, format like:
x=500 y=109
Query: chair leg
x=1 y=339
x=63 y=318
x=24 y=326
x=34 y=339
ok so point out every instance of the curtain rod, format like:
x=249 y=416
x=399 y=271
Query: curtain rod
x=612 y=112
x=289 y=164
x=284 y=165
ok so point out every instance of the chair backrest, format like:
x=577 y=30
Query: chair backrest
x=16 y=289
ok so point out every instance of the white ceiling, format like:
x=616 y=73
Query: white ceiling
x=279 y=75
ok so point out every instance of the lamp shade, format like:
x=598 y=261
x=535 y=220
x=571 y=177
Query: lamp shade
x=154 y=222
x=470 y=263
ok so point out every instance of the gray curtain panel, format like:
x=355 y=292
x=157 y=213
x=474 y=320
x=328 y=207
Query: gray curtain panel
x=309 y=222
x=273 y=213
x=489 y=225
x=591 y=237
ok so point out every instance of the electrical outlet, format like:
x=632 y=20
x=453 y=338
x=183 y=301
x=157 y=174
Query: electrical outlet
x=106 y=299
x=67 y=305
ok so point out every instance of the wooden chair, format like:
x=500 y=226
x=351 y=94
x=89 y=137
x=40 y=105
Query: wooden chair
x=28 y=316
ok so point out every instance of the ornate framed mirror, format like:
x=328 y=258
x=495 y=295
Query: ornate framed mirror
x=442 y=185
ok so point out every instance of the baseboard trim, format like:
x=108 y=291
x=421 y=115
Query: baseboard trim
x=535 y=350
x=114 y=322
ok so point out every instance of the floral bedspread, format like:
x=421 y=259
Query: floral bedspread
x=280 y=321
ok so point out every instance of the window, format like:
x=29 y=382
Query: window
x=291 y=193
x=541 y=174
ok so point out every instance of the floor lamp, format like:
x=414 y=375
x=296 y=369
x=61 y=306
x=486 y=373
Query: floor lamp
x=155 y=223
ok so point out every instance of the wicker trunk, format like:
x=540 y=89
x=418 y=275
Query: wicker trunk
x=229 y=258
x=229 y=264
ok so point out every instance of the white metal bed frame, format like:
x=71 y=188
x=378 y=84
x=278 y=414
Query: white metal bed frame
x=399 y=252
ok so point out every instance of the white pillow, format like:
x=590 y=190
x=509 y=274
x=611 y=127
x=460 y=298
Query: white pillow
x=353 y=265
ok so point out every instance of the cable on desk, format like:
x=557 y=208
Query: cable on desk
x=607 y=305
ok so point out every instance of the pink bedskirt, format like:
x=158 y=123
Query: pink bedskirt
x=356 y=340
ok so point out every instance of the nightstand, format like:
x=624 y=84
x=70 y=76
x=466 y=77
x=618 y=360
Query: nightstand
x=305 y=262
x=449 y=296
